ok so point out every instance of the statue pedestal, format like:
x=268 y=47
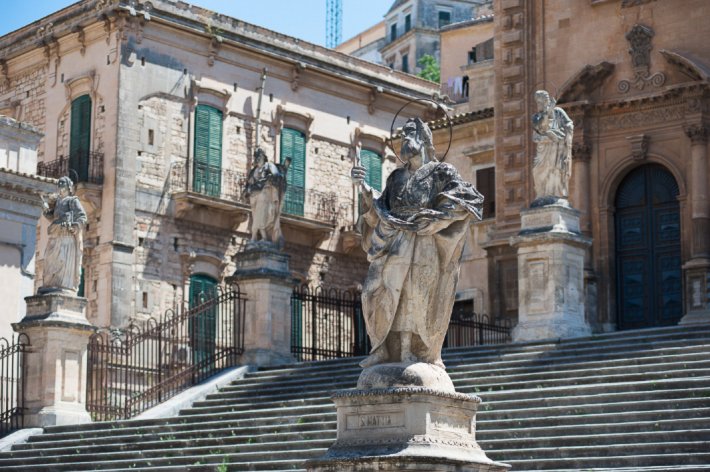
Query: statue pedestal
x=405 y=427
x=697 y=283
x=263 y=274
x=55 y=382
x=411 y=428
x=551 y=252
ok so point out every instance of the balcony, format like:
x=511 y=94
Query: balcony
x=85 y=169
x=308 y=216
x=81 y=167
x=213 y=198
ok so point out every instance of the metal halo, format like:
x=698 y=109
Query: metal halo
x=439 y=107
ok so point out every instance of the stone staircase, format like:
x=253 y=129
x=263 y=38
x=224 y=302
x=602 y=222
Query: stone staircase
x=628 y=401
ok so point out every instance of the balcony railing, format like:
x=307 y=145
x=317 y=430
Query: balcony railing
x=80 y=167
x=321 y=206
x=225 y=184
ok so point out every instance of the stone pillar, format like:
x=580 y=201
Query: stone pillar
x=697 y=269
x=551 y=253
x=263 y=275
x=55 y=382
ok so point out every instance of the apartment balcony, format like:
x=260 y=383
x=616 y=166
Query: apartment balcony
x=308 y=216
x=85 y=169
x=213 y=197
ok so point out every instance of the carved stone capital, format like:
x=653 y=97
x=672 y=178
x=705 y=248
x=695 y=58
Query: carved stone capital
x=698 y=134
x=581 y=152
x=639 y=146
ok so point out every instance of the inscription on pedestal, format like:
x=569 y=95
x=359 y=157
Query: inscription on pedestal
x=450 y=424
x=537 y=221
x=375 y=421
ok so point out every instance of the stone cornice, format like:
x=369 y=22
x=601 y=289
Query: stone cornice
x=199 y=21
x=698 y=134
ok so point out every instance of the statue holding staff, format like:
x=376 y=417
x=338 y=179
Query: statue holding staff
x=413 y=234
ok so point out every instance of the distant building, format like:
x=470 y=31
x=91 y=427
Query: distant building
x=366 y=45
x=412 y=28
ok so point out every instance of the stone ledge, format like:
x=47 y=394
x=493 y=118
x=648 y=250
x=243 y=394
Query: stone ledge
x=398 y=391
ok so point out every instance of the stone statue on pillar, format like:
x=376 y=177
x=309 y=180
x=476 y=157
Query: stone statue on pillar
x=405 y=413
x=552 y=164
x=265 y=189
x=62 y=257
x=414 y=234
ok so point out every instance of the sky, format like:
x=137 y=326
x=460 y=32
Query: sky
x=304 y=19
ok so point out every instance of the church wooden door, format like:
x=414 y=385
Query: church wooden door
x=648 y=263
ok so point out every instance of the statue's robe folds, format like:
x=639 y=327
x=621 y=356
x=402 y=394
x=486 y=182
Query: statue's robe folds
x=414 y=235
x=266 y=186
x=552 y=162
x=62 y=257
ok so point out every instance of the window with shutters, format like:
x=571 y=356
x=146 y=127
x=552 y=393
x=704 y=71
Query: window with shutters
x=405 y=63
x=407 y=23
x=486 y=184
x=80 y=138
x=207 y=168
x=393 y=31
x=372 y=162
x=293 y=146
x=444 y=18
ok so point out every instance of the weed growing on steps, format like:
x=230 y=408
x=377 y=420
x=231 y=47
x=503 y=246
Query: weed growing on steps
x=223 y=466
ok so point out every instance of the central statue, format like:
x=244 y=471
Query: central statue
x=413 y=233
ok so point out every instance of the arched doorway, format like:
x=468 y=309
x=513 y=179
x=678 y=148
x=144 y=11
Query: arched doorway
x=648 y=263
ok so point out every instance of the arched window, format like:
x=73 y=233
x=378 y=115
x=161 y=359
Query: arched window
x=207 y=168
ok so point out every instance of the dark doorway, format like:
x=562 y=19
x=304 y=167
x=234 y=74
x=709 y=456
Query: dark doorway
x=648 y=264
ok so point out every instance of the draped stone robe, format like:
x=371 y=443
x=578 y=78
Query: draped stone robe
x=62 y=257
x=414 y=264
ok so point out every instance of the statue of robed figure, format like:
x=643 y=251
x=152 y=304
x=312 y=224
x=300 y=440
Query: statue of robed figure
x=413 y=233
x=62 y=256
x=265 y=189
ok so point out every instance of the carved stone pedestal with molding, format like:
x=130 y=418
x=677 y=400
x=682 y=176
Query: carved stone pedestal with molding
x=55 y=382
x=263 y=275
x=697 y=276
x=411 y=428
x=551 y=252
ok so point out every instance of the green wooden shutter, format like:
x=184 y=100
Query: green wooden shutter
x=372 y=162
x=207 y=169
x=80 y=138
x=203 y=326
x=293 y=145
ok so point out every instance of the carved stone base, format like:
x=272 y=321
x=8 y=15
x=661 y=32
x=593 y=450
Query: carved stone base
x=263 y=275
x=56 y=363
x=697 y=287
x=405 y=429
x=551 y=288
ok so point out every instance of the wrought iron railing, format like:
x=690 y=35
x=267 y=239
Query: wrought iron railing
x=321 y=206
x=473 y=329
x=226 y=184
x=12 y=383
x=327 y=324
x=80 y=167
x=134 y=369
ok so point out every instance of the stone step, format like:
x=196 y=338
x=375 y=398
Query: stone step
x=681 y=369
x=182 y=456
x=304 y=422
x=619 y=450
x=148 y=445
x=486 y=366
x=593 y=439
x=631 y=462
x=602 y=423
x=560 y=393
x=161 y=438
